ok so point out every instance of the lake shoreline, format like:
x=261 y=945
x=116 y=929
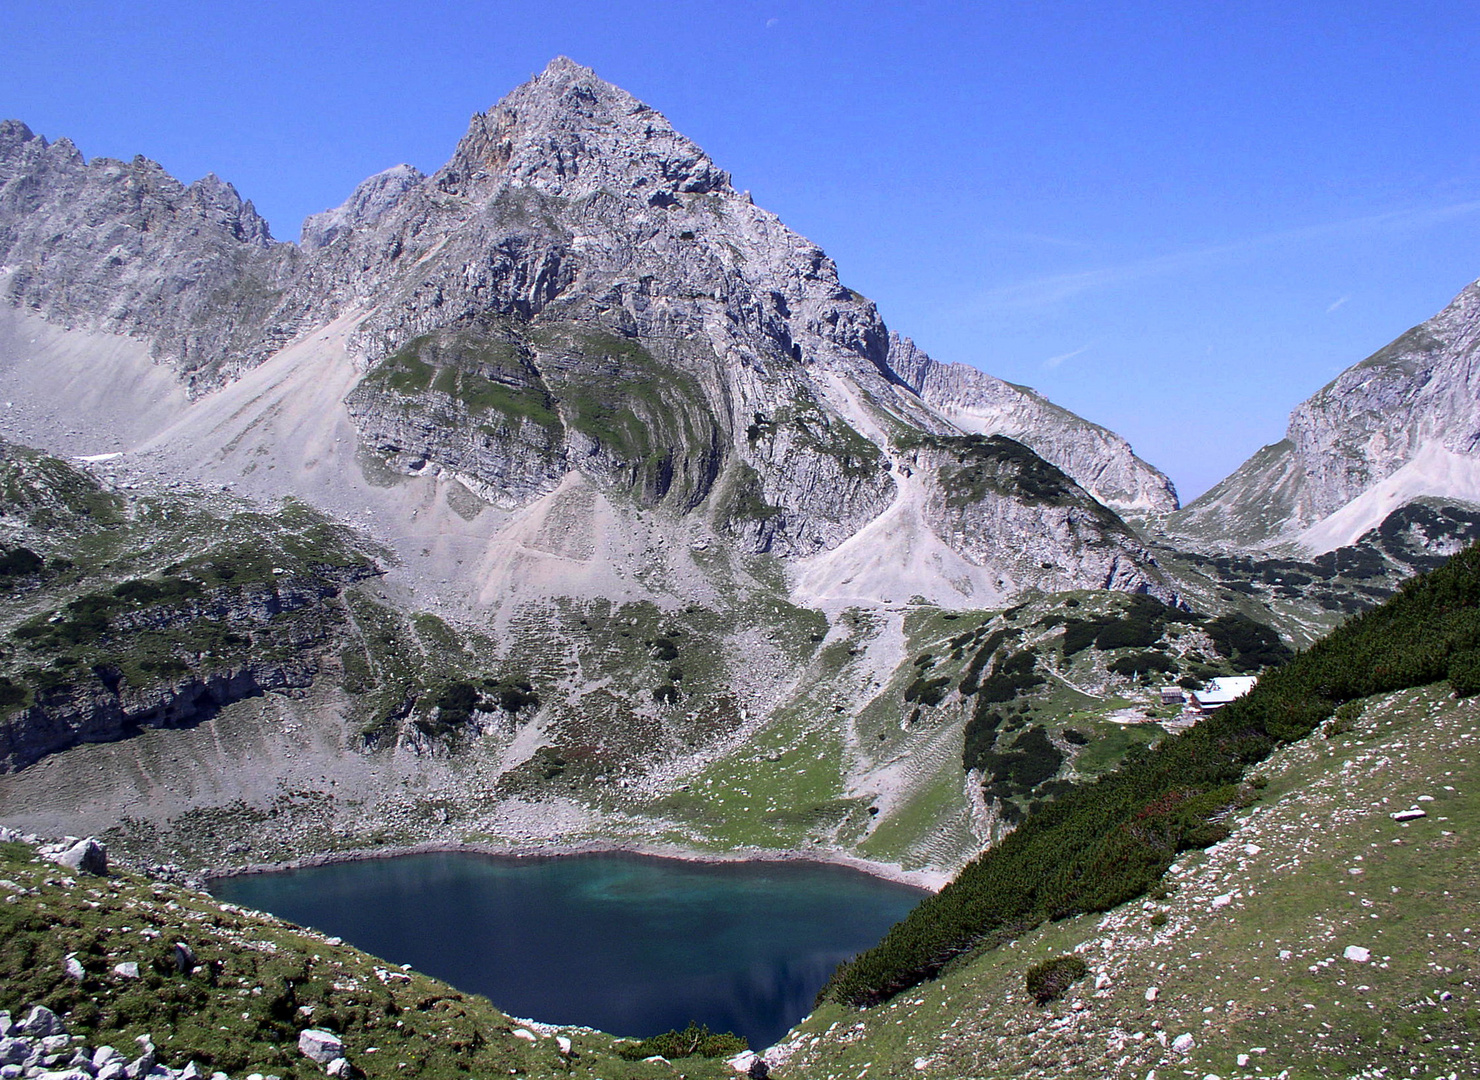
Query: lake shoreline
x=931 y=881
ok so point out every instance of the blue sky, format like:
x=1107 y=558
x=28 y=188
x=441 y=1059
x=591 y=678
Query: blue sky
x=1176 y=219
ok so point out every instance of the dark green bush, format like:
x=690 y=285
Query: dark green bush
x=696 y=1040
x=1464 y=673
x=927 y=691
x=20 y=562
x=1249 y=645
x=1143 y=662
x=11 y=694
x=1010 y=676
x=1032 y=759
x=1050 y=979
x=983 y=656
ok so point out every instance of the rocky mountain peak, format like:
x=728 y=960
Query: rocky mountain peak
x=218 y=202
x=570 y=133
x=367 y=204
x=13 y=135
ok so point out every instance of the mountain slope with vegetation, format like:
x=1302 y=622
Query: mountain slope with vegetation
x=1320 y=938
x=1113 y=840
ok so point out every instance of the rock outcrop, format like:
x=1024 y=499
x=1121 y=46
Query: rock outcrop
x=1101 y=461
x=1402 y=424
x=126 y=248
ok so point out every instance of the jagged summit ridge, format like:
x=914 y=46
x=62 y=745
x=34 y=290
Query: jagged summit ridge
x=367 y=204
x=577 y=261
x=570 y=133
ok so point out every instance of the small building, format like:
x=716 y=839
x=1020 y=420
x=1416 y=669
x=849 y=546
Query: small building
x=1171 y=695
x=1220 y=692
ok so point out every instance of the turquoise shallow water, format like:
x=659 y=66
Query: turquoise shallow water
x=625 y=943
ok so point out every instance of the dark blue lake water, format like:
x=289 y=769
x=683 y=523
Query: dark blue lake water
x=628 y=944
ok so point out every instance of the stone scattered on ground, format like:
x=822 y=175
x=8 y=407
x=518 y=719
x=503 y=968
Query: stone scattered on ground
x=39 y=1048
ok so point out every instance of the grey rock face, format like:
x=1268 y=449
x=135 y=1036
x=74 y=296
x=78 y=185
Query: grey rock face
x=126 y=248
x=1099 y=460
x=1423 y=388
x=367 y=204
x=984 y=491
x=1419 y=393
x=103 y=710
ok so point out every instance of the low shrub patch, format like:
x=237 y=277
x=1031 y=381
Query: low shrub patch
x=696 y=1040
x=1050 y=979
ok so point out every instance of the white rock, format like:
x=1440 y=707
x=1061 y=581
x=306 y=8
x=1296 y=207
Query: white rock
x=86 y=856
x=1357 y=953
x=921 y=1064
x=1151 y=993
x=1407 y=815
x=1222 y=901
x=742 y=1061
x=128 y=969
x=526 y=1034
x=41 y=1022
x=1242 y=1060
x=103 y=1055
x=320 y=1046
x=564 y=1044
x=1183 y=1043
x=339 y=1068
x=73 y=967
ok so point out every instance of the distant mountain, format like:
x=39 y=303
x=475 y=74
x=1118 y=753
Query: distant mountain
x=563 y=496
x=581 y=292
x=1403 y=424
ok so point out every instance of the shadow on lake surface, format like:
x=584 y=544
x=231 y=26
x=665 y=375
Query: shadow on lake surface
x=629 y=944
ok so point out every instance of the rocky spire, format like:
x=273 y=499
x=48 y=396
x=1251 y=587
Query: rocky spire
x=570 y=133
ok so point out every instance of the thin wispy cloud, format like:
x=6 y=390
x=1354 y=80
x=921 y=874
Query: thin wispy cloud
x=1054 y=361
x=1047 y=291
x=1337 y=304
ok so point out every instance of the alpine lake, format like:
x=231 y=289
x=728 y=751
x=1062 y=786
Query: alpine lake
x=629 y=944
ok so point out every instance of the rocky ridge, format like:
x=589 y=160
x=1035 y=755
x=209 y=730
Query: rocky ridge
x=577 y=260
x=1400 y=425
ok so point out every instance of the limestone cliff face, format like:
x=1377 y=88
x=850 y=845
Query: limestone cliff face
x=1098 y=459
x=984 y=490
x=580 y=288
x=1373 y=418
x=1402 y=424
x=126 y=248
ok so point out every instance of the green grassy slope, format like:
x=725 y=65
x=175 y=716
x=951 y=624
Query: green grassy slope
x=1246 y=948
x=1112 y=840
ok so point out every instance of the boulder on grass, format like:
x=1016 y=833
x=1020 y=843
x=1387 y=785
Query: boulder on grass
x=319 y=1046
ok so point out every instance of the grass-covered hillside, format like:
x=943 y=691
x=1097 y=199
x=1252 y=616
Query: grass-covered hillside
x=1244 y=945
x=256 y=982
x=1112 y=840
